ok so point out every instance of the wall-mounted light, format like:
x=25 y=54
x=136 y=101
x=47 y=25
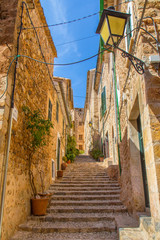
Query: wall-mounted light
x=112 y=25
x=111 y=28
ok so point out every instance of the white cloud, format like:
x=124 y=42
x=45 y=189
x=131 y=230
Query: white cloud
x=59 y=11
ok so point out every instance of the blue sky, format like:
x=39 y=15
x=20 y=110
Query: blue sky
x=57 y=11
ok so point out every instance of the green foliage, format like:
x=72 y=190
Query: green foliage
x=64 y=159
x=77 y=151
x=71 y=148
x=95 y=153
x=81 y=151
x=38 y=128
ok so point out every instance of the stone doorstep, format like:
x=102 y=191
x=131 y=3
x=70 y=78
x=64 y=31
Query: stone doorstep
x=131 y=234
x=147 y=229
x=150 y=227
x=70 y=227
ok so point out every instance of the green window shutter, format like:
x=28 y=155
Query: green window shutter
x=129 y=31
x=103 y=101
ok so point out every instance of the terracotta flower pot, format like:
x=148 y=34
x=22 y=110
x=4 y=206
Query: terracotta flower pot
x=39 y=206
x=69 y=161
x=101 y=159
x=60 y=173
x=63 y=166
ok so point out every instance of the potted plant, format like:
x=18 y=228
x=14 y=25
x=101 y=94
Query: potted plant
x=60 y=173
x=101 y=157
x=64 y=163
x=71 y=149
x=37 y=128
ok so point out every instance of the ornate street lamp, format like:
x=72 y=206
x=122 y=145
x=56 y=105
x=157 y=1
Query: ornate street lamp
x=111 y=28
x=112 y=25
x=90 y=124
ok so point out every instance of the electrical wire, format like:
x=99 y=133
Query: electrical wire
x=74 y=20
x=80 y=39
x=54 y=64
x=67 y=64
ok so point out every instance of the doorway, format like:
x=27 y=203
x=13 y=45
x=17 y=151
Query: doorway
x=143 y=164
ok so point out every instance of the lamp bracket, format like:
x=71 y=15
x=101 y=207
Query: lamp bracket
x=136 y=62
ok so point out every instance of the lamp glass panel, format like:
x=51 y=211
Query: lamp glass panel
x=105 y=31
x=115 y=39
x=116 y=25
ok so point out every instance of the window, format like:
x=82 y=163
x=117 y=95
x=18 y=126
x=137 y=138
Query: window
x=80 y=147
x=53 y=169
x=80 y=137
x=103 y=101
x=50 y=110
x=129 y=27
x=57 y=111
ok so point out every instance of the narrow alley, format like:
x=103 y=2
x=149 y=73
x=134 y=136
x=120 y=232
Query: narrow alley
x=80 y=120
x=85 y=205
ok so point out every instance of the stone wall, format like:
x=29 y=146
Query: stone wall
x=33 y=88
x=139 y=95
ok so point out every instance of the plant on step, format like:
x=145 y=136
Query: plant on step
x=37 y=130
x=95 y=151
x=71 y=151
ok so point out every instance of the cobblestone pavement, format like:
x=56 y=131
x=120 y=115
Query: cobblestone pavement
x=85 y=205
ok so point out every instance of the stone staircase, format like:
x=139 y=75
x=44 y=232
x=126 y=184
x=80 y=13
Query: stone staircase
x=85 y=205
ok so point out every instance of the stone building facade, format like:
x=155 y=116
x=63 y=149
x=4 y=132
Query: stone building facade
x=91 y=114
x=79 y=128
x=35 y=88
x=128 y=103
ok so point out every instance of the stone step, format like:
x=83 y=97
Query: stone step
x=87 y=177
x=74 y=217
x=68 y=174
x=104 y=193
x=22 y=235
x=70 y=189
x=85 y=197
x=88 y=209
x=68 y=227
x=132 y=234
x=87 y=182
x=86 y=203
x=56 y=185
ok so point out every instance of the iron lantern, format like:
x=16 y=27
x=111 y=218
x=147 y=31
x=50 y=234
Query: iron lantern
x=112 y=25
x=90 y=124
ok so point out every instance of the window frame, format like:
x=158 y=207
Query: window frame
x=50 y=107
x=129 y=10
x=57 y=111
